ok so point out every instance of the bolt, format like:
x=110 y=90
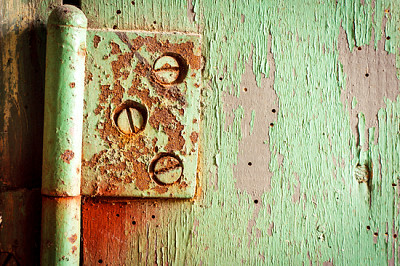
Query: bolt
x=130 y=120
x=166 y=69
x=167 y=169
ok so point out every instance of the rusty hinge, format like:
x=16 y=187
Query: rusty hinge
x=121 y=119
x=141 y=114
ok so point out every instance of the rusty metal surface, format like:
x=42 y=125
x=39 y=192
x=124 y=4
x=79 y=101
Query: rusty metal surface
x=141 y=103
x=60 y=241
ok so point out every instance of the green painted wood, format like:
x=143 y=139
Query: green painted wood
x=307 y=206
x=310 y=207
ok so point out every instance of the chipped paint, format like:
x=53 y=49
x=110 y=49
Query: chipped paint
x=315 y=135
x=125 y=74
x=305 y=205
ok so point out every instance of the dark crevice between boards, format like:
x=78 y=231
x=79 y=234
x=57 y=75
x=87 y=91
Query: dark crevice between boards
x=76 y=3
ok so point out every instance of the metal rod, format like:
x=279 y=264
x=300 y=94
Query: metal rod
x=62 y=138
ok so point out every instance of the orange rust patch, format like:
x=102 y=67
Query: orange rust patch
x=123 y=61
x=142 y=176
x=115 y=48
x=171 y=126
x=136 y=150
x=72 y=84
x=88 y=77
x=67 y=156
x=96 y=40
x=183 y=185
x=172 y=93
x=120 y=224
x=73 y=249
x=72 y=238
x=160 y=189
x=117 y=92
x=194 y=136
x=183 y=49
x=144 y=95
x=134 y=87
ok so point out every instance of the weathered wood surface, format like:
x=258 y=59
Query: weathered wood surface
x=22 y=54
x=275 y=187
x=285 y=83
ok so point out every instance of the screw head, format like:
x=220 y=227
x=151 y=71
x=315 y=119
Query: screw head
x=166 y=69
x=167 y=169
x=130 y=120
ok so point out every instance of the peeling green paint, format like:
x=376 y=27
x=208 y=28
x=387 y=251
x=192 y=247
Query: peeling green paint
x=311 y=139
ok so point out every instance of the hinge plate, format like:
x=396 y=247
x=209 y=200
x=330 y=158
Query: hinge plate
x=141 y=116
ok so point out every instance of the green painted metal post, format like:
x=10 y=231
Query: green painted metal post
x=62 y=140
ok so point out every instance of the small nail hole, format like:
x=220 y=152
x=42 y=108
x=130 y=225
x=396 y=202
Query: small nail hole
x=115 y=27
x=255 y=201
x=368 y=227
x=388 y=38
x=393 y=185
x=245 y=89
x=376 y=234
x=395 y=236
x=133 y=2
x=154 y=22
x=153 y=216
x=359 y=48
x=220 y=78
x=249 y=163
x=117 y=215
x=100 y=261
x=273 y=110
x=133 y=222
x=271 y=125
x=118 y=12
x=367 y=75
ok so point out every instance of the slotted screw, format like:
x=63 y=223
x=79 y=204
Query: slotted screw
x=166 y=69
x=130 y=120
x=167 y=169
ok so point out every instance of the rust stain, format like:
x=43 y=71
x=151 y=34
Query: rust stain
x=74 y=248
x=143 y=179
x=194 y=136
x=172 y=127
x=96 y=40
x=72 y=84
x=72 y=238
x=105 y=224
x=123 y=62
x=115 y=48
x=184 y=49
x=113 y=167
x=67 y=156
x=160 y=189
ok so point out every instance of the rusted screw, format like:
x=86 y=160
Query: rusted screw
x=167 y=169
x=166 y=69
x=130 y=120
